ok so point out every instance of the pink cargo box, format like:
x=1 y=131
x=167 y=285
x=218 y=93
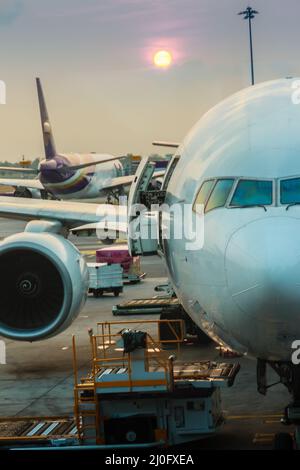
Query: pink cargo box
x=115 y=254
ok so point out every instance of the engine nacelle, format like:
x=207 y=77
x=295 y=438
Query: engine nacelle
x=30 y=193
x=44 y=284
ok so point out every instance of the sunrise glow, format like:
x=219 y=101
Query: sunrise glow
x=162 y=59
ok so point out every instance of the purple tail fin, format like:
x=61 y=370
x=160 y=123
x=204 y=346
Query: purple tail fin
x=49 y=144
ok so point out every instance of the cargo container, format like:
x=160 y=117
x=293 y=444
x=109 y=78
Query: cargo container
x=120 y=254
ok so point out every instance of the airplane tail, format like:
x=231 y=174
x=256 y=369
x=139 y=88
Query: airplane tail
x=49 y=144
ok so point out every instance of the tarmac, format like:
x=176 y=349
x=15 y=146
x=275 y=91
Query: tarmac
x=37 y=379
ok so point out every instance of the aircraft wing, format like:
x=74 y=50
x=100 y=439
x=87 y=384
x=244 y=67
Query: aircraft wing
x=160 y=143
x=127 y=180
x=102 y=228
x=70 y=214
x=24 y=183
x=119 y=181
x=106 y=158
x=19 y=170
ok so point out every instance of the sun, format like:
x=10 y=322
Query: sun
x=162 y=59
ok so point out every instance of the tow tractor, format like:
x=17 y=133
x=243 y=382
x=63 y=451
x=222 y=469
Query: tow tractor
x=136 y=394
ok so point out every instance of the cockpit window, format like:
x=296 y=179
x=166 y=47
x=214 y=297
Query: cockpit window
x=203 y=193
x=252 y=192
x=219 y=194
x=290 y=191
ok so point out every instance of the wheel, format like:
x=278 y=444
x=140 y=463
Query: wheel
x=98 y=293
x=283 y=441
x=116 y=293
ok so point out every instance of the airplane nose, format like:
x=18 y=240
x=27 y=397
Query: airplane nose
x=262 y=266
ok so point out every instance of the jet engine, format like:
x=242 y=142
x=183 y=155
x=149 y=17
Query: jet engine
x=32 y=193
x=44 y=284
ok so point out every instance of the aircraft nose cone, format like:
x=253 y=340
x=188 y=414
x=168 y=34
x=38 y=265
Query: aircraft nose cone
x=262 y=263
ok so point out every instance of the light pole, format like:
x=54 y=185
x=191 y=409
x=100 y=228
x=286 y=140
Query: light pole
x=249 y=14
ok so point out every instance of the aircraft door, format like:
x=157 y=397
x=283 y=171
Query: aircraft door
x=142 y=225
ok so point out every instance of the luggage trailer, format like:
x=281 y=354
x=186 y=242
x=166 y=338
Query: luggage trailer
x=105 y=278
x=140 y=395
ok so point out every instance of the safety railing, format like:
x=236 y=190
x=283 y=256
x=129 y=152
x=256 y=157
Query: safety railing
x=178 y=333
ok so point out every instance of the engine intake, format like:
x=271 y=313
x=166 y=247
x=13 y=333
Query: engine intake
x=44 y=285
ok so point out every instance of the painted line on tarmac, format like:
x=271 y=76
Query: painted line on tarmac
x=254 y=416
x=263 y=438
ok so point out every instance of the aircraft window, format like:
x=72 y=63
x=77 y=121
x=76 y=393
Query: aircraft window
x=203 y=193
x=252 y=192
x=290 y=191
x=219 y=194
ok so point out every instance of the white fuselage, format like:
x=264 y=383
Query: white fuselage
x=243 y=285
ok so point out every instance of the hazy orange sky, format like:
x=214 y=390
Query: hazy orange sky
x=94 y=59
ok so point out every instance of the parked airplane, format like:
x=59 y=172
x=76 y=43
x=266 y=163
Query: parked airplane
x=241 y=160
x=69 y=176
